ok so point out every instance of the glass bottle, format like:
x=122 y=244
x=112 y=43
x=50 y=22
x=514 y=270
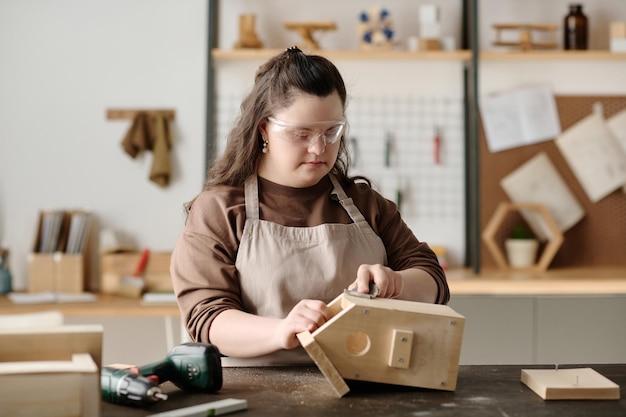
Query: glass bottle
x=575 y=28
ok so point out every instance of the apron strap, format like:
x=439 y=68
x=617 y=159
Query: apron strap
x=346 y=202
x=251 y=190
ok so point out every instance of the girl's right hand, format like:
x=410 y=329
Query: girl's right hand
x=306 y=315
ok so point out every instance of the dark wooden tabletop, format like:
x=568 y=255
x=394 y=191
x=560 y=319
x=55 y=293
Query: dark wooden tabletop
x=482 y=390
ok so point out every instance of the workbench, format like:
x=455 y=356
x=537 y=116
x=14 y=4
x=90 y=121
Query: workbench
x=482 y=391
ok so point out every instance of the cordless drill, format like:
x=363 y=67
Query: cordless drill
x=192 y=367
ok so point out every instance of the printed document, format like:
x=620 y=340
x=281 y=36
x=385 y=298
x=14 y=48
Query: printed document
x=519 y=117
x=538 y=181
x=594 y=155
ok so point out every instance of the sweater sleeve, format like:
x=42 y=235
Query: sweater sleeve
x=404 y=249
x=202 y=267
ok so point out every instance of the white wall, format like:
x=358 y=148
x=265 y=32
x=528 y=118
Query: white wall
x=63 y=63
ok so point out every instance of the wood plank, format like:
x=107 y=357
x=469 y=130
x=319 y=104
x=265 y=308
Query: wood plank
x=323 y=363
x=117 y=114
x=264 y=54
x=570 y=384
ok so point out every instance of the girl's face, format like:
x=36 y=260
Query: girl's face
x=302 y=140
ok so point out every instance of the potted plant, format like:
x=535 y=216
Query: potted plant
x=521 y=247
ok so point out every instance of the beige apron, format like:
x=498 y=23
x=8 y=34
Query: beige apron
x=278 y=265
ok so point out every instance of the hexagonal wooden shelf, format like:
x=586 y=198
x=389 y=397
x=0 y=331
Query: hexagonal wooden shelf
x=554 y=242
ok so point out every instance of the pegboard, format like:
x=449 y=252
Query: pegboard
x=432 y=194
x=599 y=239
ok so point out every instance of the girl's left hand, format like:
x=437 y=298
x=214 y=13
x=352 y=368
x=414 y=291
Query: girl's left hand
x=388 y=281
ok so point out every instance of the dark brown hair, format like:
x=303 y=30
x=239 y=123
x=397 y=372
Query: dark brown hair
x=276 y=84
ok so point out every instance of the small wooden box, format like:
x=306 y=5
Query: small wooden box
x=114 y=266
x=56 y=272
x=57 y=261
x=389 y=341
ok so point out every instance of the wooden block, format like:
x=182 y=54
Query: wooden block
x=51 y=388
x=70 y=276
x=570 y=384
x=41 y=272
x=57 y=343
x=426 y=44
x=618 y=30
x=56 y=272
x=156 y=275
x=401 y=346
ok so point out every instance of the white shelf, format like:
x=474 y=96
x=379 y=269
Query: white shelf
x=263 y=54
x=553 y=55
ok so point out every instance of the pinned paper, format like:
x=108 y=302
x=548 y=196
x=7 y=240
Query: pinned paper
x=519 y=117
x=617 y=124
x=594 y=155
x=538 y=181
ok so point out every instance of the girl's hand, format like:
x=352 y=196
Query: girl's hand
x=306 y=315
x=388 y=281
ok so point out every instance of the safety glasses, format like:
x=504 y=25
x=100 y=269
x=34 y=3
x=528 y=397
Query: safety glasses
x=306 y=134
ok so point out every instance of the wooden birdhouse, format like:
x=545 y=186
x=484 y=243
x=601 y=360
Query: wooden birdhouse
x=387 y=341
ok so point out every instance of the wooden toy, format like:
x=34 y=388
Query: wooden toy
x=388 y=341
x=375 y=29
x=306 y=29
x=526 y=41
x=247 y=33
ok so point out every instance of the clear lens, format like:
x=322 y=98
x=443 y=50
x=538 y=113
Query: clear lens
x=306 y=134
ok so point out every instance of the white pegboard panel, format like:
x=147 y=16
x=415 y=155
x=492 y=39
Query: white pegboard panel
x=432 y=201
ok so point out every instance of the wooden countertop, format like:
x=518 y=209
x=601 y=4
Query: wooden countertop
x=574 y=281
x=105 y=306
x=569 y=281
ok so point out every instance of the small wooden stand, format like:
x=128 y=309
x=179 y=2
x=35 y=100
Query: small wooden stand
x=389 y=341
x=306 y=29
x=526 y=42
x=247 y=34
x=498 y=218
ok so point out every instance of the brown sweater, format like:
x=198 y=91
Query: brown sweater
x=203 y=261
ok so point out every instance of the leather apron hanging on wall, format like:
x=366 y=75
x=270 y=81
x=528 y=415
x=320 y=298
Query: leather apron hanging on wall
x=278 y=265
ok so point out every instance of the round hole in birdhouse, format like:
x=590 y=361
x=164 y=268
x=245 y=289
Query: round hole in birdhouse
x=358 y=343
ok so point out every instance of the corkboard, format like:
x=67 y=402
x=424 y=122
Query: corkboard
x=599 y=239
